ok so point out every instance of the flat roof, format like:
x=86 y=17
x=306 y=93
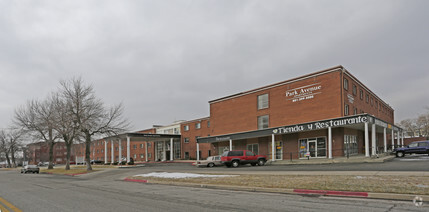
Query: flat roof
x=145 y=136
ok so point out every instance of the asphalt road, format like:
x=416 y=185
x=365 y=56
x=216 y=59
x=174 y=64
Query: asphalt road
x=105 y=191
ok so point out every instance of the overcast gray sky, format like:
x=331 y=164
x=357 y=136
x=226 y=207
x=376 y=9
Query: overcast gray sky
x=166 y=59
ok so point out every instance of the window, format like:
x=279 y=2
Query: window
x=134 y=146
x=367 y=98
x=253 y=147
x=235 y=153
x=263 y=122
x=423 y=144
x=413 y=145
x=186 y=140
x=346 y=84
x=361 y=94
x=186 y=128
x=141 y=146
x=135 y=156
x=186 y=155
x=210 y=153
x=346 y=110
x=355 y=111
x=117 y=148
x=198 y=125
x=102 y=150
x=208 y=123
x=149 y=155
x=372 y=101
x=262 y=101
x=350 y=145
x=249 y=153
x=354 y=90
x=149 y=145
x=141 y=155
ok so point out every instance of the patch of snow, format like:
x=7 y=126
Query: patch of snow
x=422 y=186
x=360 y=177
x=177 y=175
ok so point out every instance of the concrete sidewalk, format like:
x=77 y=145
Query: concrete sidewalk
x=352 y=159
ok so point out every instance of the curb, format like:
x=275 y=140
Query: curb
x=332 y=161
x=135 y=180
x=352 y=194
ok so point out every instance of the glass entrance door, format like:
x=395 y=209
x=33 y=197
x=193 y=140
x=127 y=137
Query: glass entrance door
x=312 y=148
x=279 y=150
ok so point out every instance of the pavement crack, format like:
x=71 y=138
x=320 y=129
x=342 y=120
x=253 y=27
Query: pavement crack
x=391 y=208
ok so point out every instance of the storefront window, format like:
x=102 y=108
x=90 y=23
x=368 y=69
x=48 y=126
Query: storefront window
x=316 y=147
x=254 y=148
x=350 y=145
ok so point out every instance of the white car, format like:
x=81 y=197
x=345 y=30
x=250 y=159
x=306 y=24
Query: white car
x=210 y=162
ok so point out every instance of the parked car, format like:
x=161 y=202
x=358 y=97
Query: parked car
x=417 y=147
x=97 y=162
x=30 y=168
x=209 y=162
x=236 y=158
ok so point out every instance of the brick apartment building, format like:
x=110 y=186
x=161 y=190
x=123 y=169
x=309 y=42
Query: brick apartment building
x=39 y=152
x=325 y=114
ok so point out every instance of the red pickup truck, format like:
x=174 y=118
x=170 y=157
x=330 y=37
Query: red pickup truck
x=236 y=158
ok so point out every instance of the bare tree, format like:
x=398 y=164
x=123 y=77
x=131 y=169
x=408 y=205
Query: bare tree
x=10 y=144
x=4 y=147
x=90 y=114
x=410 y=126
x=423 y=124
x=65 y=124
x=38 y=118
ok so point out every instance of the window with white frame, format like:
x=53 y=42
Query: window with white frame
x=141 y=146
x=198 y=125
x=186 y=127
x=263 y=122
x=263 y=101
x=141 y=155
x=253 y=147
x=186 y=140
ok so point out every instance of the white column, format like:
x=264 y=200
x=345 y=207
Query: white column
x=366 y=140
x=105 y=151
x=373 y=140
x=273 y=146
x=120 y=151
x=171 y=149
x=198 y=150
x=230 y=144
x=128 y=149
x=164 y=153
x=385 y=139
x=146 y=151
x=397 y=137
x=330 y=142
x=393 y=139
x=402 y=138
x=113 y=152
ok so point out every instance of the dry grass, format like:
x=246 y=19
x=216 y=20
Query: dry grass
x=73 y=170
x=379 y=184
